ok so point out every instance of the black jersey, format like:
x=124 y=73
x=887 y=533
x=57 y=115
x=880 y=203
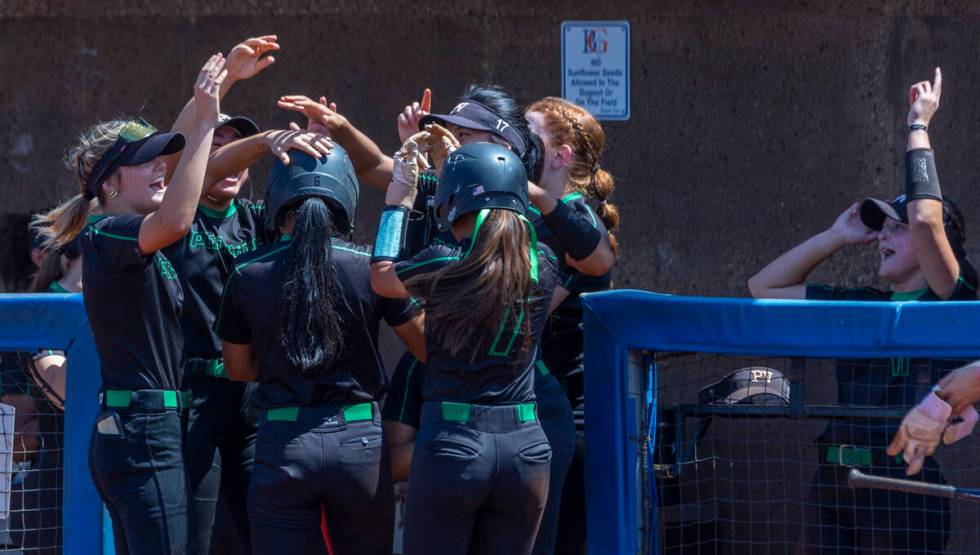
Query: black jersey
x=133 y=303
x=502 y=375
x=562 y=345
x=249 y=311
x=204 y=260
x=896 y=383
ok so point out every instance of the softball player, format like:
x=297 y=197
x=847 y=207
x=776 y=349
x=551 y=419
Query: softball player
x=133 y=300
x=299 y=317
x=480 y=483
x=220 y=442
x=564 y=220
x=920 y=237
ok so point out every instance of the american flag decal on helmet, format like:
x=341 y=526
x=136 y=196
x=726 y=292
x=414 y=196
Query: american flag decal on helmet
x=478 y=191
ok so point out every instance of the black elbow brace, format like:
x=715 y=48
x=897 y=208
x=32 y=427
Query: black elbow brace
x=577 y=236
x=921 y=180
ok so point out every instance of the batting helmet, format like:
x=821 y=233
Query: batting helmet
x=331 y=178
x=479 y=176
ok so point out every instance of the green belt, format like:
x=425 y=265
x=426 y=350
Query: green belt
x=850 y=455
x=352 y=413
x=460 y=412
x=121 y=398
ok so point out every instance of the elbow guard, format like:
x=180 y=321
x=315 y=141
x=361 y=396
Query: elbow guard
x=390 y=242
x=921 y=180
x=577 y=236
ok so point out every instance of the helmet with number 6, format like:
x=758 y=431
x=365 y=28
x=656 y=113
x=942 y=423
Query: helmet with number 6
x=331 y=178
x=479 y=176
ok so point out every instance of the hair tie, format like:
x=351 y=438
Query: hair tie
x=596 y=167
x=601 y=203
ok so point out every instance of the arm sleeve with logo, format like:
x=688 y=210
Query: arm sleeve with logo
x=404 y=401
x=230 y=323
x=116 y=238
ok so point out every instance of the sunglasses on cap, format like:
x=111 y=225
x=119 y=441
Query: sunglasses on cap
x=138 y=142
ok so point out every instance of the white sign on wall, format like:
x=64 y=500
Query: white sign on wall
x=596 y=67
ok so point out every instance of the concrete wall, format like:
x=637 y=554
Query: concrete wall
x=753 y=123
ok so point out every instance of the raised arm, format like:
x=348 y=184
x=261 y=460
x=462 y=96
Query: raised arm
x=236 y=156
x=399 y=199
x=246 y=60
x=784 y=278
x=587 y=248
x=925 y=202
x=173 y=219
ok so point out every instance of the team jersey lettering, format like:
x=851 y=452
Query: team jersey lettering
x=213 y=242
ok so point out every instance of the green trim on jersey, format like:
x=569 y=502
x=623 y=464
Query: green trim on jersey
x=216 y=214
x=56 y=287
x=899 y=296
x=97 y=231
x=420 y=264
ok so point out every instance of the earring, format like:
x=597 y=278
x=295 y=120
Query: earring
x=112 y=194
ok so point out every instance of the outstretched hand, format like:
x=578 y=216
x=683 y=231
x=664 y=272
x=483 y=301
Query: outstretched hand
x=924 y=99
x=207 y=89
x=408 y=120
x=961 y=387
x=248 y=58
x=438 y=143
x=851 y=229
x=281 y=142
x=322 y=116
x=407 y=164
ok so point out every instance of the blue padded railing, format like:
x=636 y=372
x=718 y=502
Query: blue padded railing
x=617 y=322
x=58 y=321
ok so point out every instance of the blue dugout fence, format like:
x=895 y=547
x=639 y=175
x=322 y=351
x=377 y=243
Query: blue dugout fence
x=624 y=329
x=57 y=321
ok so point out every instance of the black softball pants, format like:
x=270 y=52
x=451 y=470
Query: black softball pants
x=220 y=453
x=137 y=464
x=327 y=455
x=479 y=480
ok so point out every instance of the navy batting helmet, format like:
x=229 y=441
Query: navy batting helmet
x=478 y=176
x=331 y=178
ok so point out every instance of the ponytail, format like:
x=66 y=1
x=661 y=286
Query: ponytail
x=62 y=224
x=467 y=302
x=310 y=330
x=601 y=188
x=569 y=124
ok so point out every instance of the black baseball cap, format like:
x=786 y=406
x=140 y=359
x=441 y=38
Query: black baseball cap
x=138 y=143
x=245 y=126
x=874 y=211
x=754 y=385
x=473 y=115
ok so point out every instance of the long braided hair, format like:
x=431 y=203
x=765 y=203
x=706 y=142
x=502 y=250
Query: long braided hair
x=569 y=124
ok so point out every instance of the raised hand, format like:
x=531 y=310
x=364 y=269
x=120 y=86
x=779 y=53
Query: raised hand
x=924 y=99
x=408 y=120
x=248 y=58
x=280 y=142
x=851 y=229
x=407 y=163
x=439 y=143
x=322 y=117
x=207 y=89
